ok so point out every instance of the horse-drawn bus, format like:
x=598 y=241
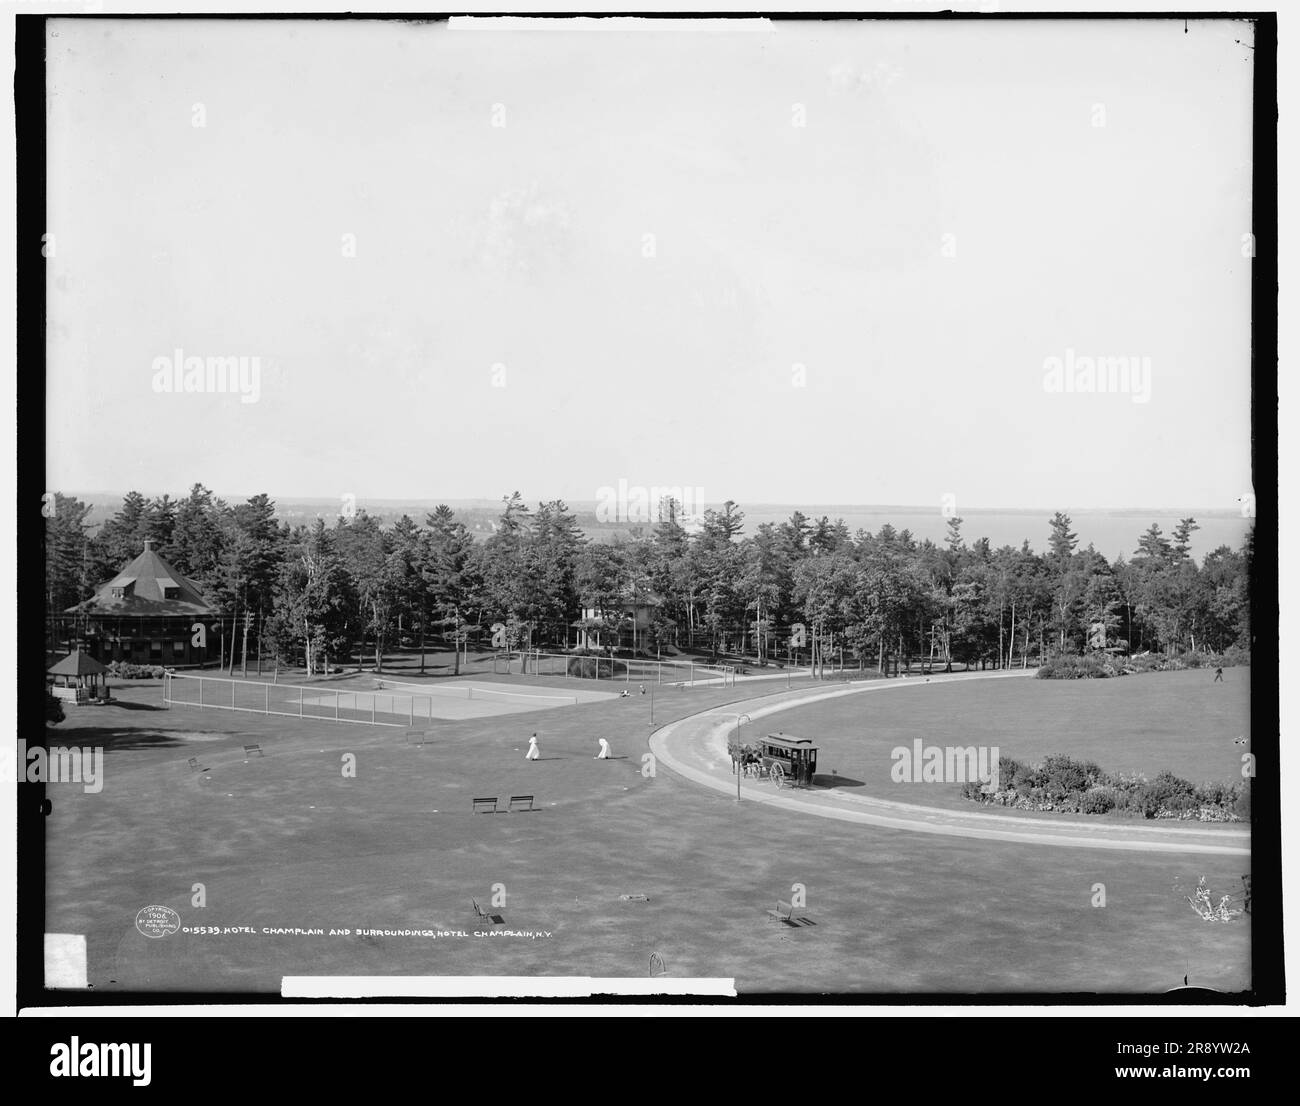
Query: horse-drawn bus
x=787 y=761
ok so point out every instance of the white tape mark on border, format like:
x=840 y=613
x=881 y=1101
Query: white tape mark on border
x=65 y=961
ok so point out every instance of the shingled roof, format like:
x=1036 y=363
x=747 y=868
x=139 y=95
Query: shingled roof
x=76 y=664
x=148 y=586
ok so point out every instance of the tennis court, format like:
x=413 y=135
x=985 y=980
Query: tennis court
x=373 y=701
x=464 y=699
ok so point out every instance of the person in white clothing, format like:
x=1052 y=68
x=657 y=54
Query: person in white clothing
x=604 y=750
x=533 y=753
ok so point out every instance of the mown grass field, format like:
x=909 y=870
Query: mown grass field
x=1179 y=721
x=289 y=841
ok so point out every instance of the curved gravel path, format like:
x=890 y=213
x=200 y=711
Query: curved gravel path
x=696 y=748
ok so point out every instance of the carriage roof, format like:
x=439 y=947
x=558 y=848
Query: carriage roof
x=786 y=741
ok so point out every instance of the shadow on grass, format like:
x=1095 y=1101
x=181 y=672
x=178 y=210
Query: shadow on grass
x=831 y=783
x=112 y=741
x=127 y=704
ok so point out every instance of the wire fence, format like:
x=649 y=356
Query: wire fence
x=533 y=662
x=373 y=708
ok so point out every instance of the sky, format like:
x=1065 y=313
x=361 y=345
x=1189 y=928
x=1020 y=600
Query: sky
x=846 y=262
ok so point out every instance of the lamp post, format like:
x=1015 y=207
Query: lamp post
x=739 y=719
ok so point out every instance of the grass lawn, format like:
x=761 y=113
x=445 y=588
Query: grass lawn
x=288 y=841
x=1180 y=721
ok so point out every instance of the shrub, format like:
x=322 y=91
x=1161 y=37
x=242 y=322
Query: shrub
x=1007 y=769
x=595 y=667
x=1020 y=777
x=1241 y=808
x=1065 y=775
x=1231 y=657
x=1091 y=667
x=1179 y=804
x=1100 y=800
x=1144 y=800
x=125 y=670
x=1169 y=786
x=1211 y=793
x=1148 y=662
x=1066 y=785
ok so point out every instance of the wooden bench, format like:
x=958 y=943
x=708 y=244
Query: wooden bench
x=784 y=913
x=486 y=806
x=486 y=916
x=419 y=737
x=520 y=800
x=249 y=750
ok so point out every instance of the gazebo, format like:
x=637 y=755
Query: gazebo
x=78 y=678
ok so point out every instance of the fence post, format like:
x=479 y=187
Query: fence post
x=412 y=703
x=300 y=700
x=692 y=673
x=337 y=695
x=266 y=698
x=373 y=697
x=200 y=691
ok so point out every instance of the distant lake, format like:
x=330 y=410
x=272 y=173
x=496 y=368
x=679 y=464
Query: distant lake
x=1112 y=531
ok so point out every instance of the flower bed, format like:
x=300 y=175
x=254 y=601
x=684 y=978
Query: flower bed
x=1063 y=785
x=1100 y=666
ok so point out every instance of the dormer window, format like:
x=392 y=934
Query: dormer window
x=119 y=593
x=171 y=593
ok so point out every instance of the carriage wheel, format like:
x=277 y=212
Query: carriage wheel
x=777 y=775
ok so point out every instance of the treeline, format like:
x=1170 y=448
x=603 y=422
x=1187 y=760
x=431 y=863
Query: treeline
x=802 y=589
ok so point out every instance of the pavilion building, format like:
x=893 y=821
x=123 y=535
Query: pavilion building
x=146 y=614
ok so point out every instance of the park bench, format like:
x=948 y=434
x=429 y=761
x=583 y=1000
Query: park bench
x=486 y=806
x=784 y=913
x=519 y=801
x=419 y=737
x=249 y=750
x=486 y=916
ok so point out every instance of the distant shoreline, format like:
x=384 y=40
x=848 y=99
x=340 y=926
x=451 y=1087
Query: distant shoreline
x=1113 y=532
